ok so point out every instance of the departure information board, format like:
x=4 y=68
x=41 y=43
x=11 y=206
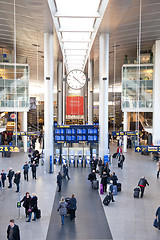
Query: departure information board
x=76 y=133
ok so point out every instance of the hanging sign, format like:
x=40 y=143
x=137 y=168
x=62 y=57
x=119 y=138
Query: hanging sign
x=26 y=133
x=9 y=149
x=147 y=148
x=74 y=105
x=124 y=133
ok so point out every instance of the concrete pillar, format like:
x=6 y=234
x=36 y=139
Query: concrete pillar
x=48 y=99
x=125 y=128
x=90 y=92
x=59 y=93
x=156 y=95
x=24 y=128
x=103 y=94
x=128 y=121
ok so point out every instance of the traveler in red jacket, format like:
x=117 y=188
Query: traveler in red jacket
x=142 y=184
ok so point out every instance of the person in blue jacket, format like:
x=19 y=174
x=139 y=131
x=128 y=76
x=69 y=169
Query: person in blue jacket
x=158 y=217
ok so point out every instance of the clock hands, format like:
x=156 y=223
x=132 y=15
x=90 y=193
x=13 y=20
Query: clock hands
x=77 y=80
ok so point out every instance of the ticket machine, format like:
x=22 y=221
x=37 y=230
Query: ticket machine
x=88 y=158
x=80 y=159
x=64 y=156
x=57 y=157
x=71 y=159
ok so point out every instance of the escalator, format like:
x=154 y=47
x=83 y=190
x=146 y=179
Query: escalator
x=146 y=123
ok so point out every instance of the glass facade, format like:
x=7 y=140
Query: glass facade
x=131 y=97
x=14 y=88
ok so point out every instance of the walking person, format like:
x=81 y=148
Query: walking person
x=142 y=184
x=34 y=169
x=100 y=164
x=13 y=232
x=10 y=177
x=17 y=179
x=158 y=169
x=26 y=203
x=59 y=181
x=25 y=171
x=114 y=178
x=62 y=209
x=121 y=160
x=72 y=206
x=33 y=207
x=65 y=171
x=3 y=178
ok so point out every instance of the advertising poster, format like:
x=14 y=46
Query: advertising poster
x=74 y=105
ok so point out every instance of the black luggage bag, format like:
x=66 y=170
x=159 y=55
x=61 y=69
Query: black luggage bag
x=119 y=187
x=38 y=214
x=114 y=155
x=95 y=184
x=119 y=164
x=136 y=192
x=107 y=200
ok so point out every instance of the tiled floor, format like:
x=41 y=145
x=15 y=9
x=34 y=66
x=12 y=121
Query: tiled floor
x=128 y=218
x=44 y=187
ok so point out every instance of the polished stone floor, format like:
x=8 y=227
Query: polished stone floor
x=128 y=218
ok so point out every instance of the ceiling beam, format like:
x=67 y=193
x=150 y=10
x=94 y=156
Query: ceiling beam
x=63 y=14
x=75 y=30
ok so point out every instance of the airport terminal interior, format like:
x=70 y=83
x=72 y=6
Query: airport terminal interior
x=79 y=119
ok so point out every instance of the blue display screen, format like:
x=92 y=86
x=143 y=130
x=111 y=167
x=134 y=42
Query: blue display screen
x=70 y=131
x=80 y=131
x=92 y=131
x=59 y=131
x=81 y=138
x=59 y=138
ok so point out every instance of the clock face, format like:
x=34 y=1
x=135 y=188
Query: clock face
x=76 y=79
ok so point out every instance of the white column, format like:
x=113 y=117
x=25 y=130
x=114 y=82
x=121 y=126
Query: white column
x=24 y=128
x=103 y=93
x=48 y=99
x=64 y=96
x=59 y=93
x=156 y=95
x=90 y=92
x=125 y=128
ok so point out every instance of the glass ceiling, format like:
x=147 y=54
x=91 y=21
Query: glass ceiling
x=76 y=20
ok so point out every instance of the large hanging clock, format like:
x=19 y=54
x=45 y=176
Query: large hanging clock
x=76 y=79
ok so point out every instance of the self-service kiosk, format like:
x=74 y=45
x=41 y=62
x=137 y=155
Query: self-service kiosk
x=57 y=157
x=64 y=156
x=80 y=159
x=88 y=158
x=71 y=159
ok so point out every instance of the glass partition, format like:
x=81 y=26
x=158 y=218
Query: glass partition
x=14 y=92
x=130 y=85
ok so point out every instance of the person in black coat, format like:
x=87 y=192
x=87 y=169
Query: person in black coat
x=17 y=179
x=59 y=181
x=142 y=184
x=158 y=217
x=121 y=160
x=72 y=206
x=26 y=202
x=25 y=171
x=34 y=169
x=65 y=171
x=92 y=176
x=10 y=176
x=33 y=207
x=104 y=181
x=3 y=178
x=13 y=232
x=114 y=178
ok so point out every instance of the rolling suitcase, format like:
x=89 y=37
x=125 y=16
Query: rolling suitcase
x=119 y=187
x=107 y=200
x=38 y=214
x=101 y=188
x=119 y=165
x=136 y=192
x=95 y=184
x=114 y=190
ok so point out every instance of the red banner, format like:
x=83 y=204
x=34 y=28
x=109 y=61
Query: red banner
x=74 y=105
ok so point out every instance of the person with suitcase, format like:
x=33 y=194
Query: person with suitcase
x=142 y=184
x=121 y=160
x=110 y=190
x=33 y=207
x=104 y=181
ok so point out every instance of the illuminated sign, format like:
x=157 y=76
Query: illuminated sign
x=147 y=148
x=124 y=133
x=9 y=149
